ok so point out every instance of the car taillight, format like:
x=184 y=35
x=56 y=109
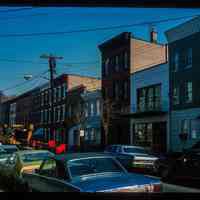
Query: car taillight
x=157 y=188
x=153 y=188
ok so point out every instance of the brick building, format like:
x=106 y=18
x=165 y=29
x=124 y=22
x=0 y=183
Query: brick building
x=122 y=56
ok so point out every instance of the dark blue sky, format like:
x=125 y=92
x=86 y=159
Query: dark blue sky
x=76 y=47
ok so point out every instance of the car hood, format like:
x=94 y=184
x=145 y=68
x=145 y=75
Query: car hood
x=110 y=181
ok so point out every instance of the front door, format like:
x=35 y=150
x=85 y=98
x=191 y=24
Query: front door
x=159 y=137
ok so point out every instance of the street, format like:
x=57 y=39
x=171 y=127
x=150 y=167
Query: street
x=176 y=188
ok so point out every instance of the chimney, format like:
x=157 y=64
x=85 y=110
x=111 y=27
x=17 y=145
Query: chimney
x=153 y=35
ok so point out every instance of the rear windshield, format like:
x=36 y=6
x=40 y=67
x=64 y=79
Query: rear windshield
x=34 y=157
x=134 y=150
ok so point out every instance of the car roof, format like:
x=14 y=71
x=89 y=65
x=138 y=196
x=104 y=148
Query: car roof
x=122 y=145
x=8 y=146
x=72 y=156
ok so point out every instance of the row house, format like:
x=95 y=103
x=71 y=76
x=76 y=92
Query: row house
x=150 y=108
x=122 y=56
x=62 y=85
x=91 y=125
x=184 y=84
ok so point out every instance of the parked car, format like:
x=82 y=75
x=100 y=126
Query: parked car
x=164 y=165
x=87 y=172
x=10 y=171
x=6 y=151
x=184 y=170
x=133 y=157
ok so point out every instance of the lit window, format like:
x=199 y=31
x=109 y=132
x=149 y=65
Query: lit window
x=176 y=96
x=188 y=92
x=86 y=110
x=98 y=107
x=92 y=109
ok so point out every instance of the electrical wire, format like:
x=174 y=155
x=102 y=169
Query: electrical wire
x=24 y=82
x=14 y=10
x=90 y=29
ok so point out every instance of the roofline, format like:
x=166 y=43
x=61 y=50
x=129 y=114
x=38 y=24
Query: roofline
x=71 y=74
x=182 y=24
x=146 y=69
x=141 y=39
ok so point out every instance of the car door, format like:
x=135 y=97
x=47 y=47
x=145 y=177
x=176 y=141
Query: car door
x=51 y=177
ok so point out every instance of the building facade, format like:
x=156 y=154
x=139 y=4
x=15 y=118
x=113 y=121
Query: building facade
x=122 y=56
x=63 y=85
x=184 y=84
x=150 y=107
x=91 y=125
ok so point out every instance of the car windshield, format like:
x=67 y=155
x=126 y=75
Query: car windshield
x=82 y=167
x=34 y=157
x=135 y=150
x=10 y=150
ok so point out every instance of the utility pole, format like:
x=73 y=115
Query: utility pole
x=52 y=68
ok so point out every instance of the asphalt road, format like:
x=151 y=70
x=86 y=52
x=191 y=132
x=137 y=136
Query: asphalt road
x=177 y=188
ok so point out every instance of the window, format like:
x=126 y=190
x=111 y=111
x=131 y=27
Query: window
x=92 y=109
x=185 y=126
x=106 y=66
x=125 y=60
x=49 y=96
x=188 y=92
x=176 y=62
x=125 y=89
x=176 y=96
x=64 y=90
x=86 y=110
x=141 y=99
x=70 y=111
x=64 y=111
x=157 y=90
x=98 y=107
x=54 y=113
x=54 y=95
x=116 y=91
x=42 y=116
x=59 y=93
x=189 y=58
x=150 y=100
x=117 y=63
x=49 y=116
x=42 y=99
x=58 y=118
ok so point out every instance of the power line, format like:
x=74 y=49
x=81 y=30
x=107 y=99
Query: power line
x=91 y=29
x=15 y=10
x=43 y=63
x=25 y=82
